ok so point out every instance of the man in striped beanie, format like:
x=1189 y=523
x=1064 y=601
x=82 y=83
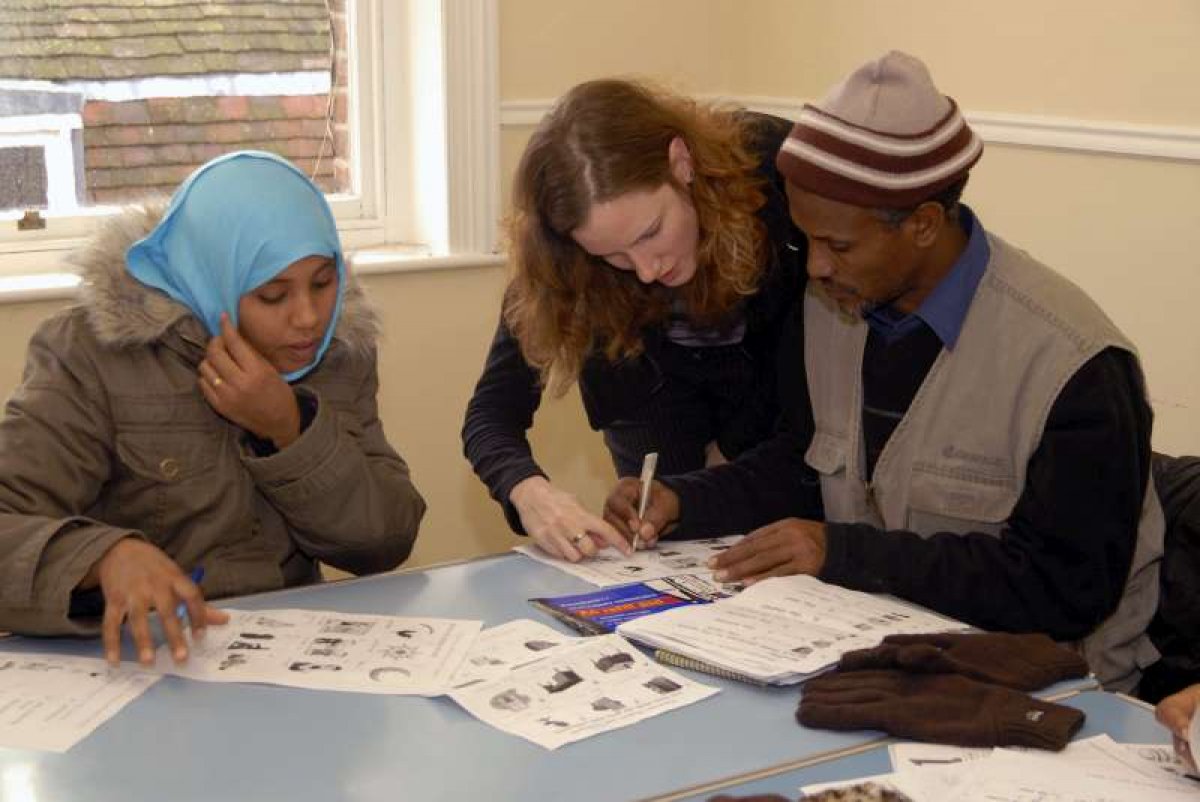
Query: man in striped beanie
x=979 y=429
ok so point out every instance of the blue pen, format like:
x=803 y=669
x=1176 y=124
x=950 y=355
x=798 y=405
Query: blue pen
x=196 y=575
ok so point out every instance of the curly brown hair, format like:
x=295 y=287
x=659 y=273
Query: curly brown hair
x=601 y=140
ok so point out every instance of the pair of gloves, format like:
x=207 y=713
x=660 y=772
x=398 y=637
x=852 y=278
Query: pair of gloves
x=961 y=689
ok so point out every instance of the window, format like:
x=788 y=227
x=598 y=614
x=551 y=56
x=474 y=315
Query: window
x=389 y=104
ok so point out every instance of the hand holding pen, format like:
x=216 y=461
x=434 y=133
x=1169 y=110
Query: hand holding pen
x=649 y=466
x=136 y=578
x=641 y=515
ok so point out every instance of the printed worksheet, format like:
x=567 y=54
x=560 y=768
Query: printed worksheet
x=1090 y=770
x=1148 y=758
x=610 y=567
x=51 y=702
x=584 y=688
x=329 y=651
x=502 y=648
x=912 y=755
x=783 y=629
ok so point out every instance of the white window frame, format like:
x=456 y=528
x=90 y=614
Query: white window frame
x=425 y=137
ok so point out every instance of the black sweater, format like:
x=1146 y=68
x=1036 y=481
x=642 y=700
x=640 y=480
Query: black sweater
x=508 y=392
x=1062 y=559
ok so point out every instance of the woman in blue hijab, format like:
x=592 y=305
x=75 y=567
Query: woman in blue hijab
x=230 y=229
x=203 y=424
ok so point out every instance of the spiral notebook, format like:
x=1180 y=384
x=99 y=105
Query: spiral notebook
x=780 y=631
x=676 y=660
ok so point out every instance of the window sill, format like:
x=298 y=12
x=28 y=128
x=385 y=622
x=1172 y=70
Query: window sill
x=367 y=262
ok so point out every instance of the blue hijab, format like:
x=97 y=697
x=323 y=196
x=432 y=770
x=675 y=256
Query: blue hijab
x=232 y=226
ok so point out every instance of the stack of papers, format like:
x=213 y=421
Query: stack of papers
x=1091 y=770
x=782 y=630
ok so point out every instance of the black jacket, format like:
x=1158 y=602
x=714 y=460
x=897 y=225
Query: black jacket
x=1061 y=562
x=1175 y=630
x=508 y=393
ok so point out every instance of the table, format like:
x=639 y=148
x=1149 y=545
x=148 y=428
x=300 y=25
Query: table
x=184 y=740
x=1124 y=719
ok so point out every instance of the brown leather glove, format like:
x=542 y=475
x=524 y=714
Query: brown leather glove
x=941 y=708
x=1025 y=662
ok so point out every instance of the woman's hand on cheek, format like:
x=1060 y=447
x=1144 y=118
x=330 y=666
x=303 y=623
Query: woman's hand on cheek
x=240 y=384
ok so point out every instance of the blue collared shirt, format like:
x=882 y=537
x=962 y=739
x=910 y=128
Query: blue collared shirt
x=946 y=307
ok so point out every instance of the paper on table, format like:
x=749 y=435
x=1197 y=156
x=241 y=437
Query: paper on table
x=1098 y=771
x=502 y=648
x=909 y=756
x=610 y=567
x=584 y=688
x=51 y=702
x=1161 y=757
x=1091 y=770
x=783 y=629
x=330 y=651
x=1152 y=758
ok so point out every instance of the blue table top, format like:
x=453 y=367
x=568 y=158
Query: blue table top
x=184 y=740
x=1123 y=719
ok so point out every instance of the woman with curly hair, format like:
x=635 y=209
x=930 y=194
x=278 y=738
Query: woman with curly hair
x=654 y=263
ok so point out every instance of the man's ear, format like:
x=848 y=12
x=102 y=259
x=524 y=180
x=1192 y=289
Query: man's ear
x=680 y=160
x=925 y=224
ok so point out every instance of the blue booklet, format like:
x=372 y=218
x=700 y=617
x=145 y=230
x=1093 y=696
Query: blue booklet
x=601 y=611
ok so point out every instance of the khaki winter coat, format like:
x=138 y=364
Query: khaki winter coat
x=108 y=436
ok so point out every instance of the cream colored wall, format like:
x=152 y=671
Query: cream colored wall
x=1106 y=60
x=17 y=322
x=547 y=46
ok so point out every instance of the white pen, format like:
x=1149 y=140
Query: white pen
x=649 y=464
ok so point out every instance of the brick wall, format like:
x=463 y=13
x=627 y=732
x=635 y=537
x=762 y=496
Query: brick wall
x=140 y=146
x=133 y=148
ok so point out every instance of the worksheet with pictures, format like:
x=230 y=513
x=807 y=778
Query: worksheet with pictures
x=51 y=702
x=584 y=688
x=667 y=558
x=502 y=648
x=329 y=651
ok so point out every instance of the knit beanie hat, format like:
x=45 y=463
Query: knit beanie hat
x=885 y=137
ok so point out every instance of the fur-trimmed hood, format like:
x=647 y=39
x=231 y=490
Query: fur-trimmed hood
x=123 y=311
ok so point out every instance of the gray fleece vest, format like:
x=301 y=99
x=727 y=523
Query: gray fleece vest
x=957 y=461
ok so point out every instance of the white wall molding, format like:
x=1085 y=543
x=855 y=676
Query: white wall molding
x=517 y=113
x=1024 y=130
x=472 y=70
